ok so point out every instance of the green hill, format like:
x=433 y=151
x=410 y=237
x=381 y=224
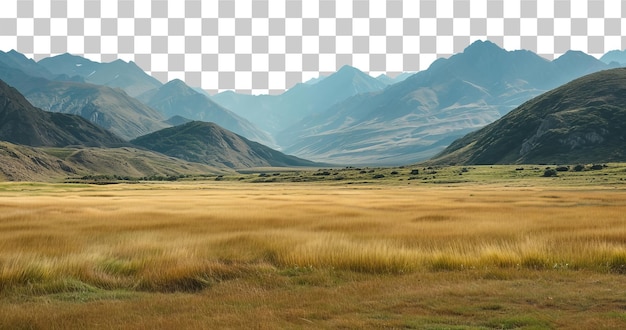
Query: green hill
x=583 y=121
x=210 y=144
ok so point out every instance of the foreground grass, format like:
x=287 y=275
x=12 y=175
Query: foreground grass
x=217 y=254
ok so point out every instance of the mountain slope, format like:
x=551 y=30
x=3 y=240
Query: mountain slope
x=177 y=99
x=106 y=107
x=274 y=113
x=109 y=108
x=21 y=123
x=23 y=163
x=414 y=119
x=125 y=75
x=583 y=121
x=18 y=61
x=210 y=144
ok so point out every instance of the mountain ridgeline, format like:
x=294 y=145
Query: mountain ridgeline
x=210 y=144
x=583 y=121
x=415 y=119
x=462 y=104
x=274 y=113
x=117 y=74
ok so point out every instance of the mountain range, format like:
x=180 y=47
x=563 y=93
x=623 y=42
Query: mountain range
x=414 y=119
x=274 y=113
x=175 y=98
x=583 y=121
x=117 y=74
x=346 y=118
x=104 y=106
x=35 y=143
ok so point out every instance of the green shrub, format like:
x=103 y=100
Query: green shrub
x=550 y=172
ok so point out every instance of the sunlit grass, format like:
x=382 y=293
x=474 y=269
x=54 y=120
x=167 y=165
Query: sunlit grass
x=82 y=242
x=185 y=237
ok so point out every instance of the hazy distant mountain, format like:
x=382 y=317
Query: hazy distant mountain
x=125 y=75
x=583 y=121
x=617 y=56
x=274 y=113
x=15 y=60
x=210 y=144
x=21 y=123
x=418 y=117
x=387 y=80
x=177 y=99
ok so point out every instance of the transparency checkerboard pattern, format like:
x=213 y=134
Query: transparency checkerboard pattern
x=266 y=46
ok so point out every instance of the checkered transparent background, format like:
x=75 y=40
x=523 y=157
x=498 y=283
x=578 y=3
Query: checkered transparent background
x=265 y=46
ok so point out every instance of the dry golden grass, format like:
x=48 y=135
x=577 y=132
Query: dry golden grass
x=189 y=255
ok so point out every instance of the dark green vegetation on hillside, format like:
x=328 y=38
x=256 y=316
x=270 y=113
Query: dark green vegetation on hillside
x=583 y=121
x=210 y=144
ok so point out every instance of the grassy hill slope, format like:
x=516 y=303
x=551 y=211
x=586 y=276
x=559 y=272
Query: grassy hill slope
x=580 y=122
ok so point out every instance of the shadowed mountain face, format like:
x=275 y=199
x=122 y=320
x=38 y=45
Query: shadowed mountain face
x=210 y=144
x=177 y=99
x=583 y=121
x=127 y=76
x=274 y=113
x=418 y=117
x=21 y=123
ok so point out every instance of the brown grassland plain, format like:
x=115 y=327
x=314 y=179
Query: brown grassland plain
x=211 y=254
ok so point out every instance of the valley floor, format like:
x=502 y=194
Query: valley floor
x=496 y=252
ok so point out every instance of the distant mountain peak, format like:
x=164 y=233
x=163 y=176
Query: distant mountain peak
x=176 y=82
x=618 y=56
x=576 y=57
x=349 y=69
x=347 y=72
x=177 y=85
x=483 y=46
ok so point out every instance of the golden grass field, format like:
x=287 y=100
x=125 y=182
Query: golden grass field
x=314 y=255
